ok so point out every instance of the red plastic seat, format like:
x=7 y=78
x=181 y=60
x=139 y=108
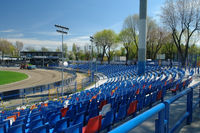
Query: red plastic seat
x=104 y=102
x=159 y=95
x=132 y=107
x=174 y=90
x=64 y=111
x=94 y=125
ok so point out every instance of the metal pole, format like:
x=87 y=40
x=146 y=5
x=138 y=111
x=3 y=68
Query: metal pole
x=62 y=68
x=142 y=37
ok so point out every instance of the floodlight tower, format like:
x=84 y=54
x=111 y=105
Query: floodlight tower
x=142 y=37
x=92 y=42
x=63 y=30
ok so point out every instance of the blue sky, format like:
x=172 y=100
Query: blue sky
x=32 y=21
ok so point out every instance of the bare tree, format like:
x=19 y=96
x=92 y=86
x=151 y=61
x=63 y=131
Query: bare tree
x=30 y=49
x=44 y=49
x=19 y=46
x=132 y=23
x=156 y=38
x=182 y=17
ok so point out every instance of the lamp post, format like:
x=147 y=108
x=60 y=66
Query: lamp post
x=92 y=40
x=63 y=30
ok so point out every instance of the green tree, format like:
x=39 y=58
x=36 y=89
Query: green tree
x=105 y=40
x=65 y=52
x=6 y=47
x=132 y=24
x=125 y=36
x=75 y=50
x=58 y=49
x=44 y=49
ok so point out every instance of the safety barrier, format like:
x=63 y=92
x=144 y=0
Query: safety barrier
x=41 y=92
x=163 y=111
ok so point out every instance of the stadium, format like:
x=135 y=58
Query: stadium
x=143 y=79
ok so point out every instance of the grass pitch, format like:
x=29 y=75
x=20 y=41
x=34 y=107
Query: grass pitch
x=7 y=77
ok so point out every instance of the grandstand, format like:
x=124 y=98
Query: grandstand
x=41 y=59
x=102 y=108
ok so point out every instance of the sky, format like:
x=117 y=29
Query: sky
x=32 y=21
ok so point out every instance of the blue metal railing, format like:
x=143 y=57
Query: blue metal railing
x=126 y=127
x=163 y=111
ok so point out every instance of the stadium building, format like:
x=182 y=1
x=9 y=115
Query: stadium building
x=42 y=59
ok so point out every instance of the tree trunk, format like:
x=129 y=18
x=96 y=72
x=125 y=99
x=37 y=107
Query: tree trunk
x=104 y=49
x=127 y=55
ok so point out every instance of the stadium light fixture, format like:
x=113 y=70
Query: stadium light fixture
x=62 y=27
x=92 y=40
x=63 y=30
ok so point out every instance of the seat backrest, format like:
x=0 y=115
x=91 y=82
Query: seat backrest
x=61 y=125
x=106 y=108
x=79 y=118
x=64 y=111
x=159 y=95
x=17 y=129
x=2 y=128
x=12 y=118
x=77 y=128
x=107 y=120
x=132 y=107
x=22 y=121
x=6 y=123
x=94 y=124
x=104 y=102
x=54 y=118
x=35 y=117
x=36 y=123
x=41 y=129
x=121 y=112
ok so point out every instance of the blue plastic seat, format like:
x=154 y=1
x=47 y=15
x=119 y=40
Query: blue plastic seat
x=121 y=113
x=107 y=121
x=41 y=129
x=17 y=129
x=54 y=119
x=6 y=123
x=61 y=125
x=79 y=118
x=2 y=128
x=36 y=123
x=35 y=117
x=74 y=129
x=21 y=121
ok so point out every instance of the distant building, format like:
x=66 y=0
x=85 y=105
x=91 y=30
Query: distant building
x=42 y=59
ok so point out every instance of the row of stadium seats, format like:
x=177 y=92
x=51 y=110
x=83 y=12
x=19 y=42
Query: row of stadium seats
x=123 y=95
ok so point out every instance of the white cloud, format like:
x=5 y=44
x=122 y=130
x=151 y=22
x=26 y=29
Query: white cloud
x=37 y=43
x=8 y=31
x=16 y=35
x=47 y=33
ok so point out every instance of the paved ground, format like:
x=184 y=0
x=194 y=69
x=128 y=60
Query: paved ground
x=36 y=77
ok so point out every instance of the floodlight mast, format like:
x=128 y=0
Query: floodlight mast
x=62 y=30
x=92 y=40
x=142 y=37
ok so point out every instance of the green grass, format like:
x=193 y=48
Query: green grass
x=7 y=77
